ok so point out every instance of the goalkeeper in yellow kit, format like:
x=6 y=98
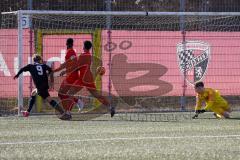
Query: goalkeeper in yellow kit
x=213 y=100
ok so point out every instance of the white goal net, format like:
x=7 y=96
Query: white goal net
x=152 y=59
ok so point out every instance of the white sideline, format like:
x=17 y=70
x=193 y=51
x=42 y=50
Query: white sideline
x=116 y=139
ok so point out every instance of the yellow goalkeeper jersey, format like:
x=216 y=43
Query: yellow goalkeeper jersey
x=212 y=98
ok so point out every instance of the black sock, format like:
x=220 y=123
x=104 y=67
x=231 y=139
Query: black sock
x=31 y=103
x=56 y=106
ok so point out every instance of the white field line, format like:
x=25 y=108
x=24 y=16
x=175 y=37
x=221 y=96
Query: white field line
x=117 y=139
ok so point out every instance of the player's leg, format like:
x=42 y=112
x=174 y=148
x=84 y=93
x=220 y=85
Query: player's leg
x=92 y=89
x=54 y=104
x=80 y=104
x=218 y=116
x=226 y=114
x=226 y=110
x=72 y=91
x=46 y=96
x=32 y=100
x=66 y=100
x=221 y=111
x=216 y=110
x=31 y=103
x=101 y=98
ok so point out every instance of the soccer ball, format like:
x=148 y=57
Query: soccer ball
x=101 y=70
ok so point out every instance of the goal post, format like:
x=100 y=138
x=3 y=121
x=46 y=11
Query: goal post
x=149 y=53
x=20 y=59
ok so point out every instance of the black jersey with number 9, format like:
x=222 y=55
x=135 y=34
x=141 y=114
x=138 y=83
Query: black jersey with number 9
x=39 y=73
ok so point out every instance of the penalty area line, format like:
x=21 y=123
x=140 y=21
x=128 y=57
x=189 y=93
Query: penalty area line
x=117 y=139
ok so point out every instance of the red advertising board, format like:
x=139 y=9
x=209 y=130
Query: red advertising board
x=144 y=63
x=9 y=62
x=159 y=49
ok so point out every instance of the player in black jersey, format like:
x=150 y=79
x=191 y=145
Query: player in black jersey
x=39 y=73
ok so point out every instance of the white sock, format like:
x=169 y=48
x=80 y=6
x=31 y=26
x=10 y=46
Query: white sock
x=80 y=104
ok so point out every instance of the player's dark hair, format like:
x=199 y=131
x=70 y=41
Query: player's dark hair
x=69 y=42
x=87 y=45
x=37 y=58
x=199 y=84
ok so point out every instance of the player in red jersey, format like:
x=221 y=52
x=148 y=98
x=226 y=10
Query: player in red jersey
x=86 y=77
x=71 y=77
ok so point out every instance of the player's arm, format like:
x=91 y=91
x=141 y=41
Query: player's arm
x=198 y=103
x=61 y=67
x=198 y=107
x=24 y=69
x=66 y=64
x=78 y=63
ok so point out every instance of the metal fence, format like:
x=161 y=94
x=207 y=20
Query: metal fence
x=123 y=5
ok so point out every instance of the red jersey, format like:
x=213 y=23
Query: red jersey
x=85 y=61
x=71 y=55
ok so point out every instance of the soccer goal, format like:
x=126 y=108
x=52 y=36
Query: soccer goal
x=152 y=59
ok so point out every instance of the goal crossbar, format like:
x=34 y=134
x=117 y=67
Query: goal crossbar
x=123 y=13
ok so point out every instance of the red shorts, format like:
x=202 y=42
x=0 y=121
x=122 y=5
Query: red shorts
x=88 y=85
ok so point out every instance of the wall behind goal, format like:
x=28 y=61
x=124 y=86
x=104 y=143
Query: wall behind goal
x=145 y=63
x=9 y=62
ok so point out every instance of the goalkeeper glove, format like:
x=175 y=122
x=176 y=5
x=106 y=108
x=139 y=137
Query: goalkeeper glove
x=200 y=111
x=197 y=112
x=195 y=116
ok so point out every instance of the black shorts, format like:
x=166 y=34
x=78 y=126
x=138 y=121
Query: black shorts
x=43 y=92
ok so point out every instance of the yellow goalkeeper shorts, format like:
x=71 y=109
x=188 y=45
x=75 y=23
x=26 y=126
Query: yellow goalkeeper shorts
x=220 y=108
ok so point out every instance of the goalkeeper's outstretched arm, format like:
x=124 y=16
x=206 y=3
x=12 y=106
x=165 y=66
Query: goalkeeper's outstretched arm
x=197 y=112
x=198 y=107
